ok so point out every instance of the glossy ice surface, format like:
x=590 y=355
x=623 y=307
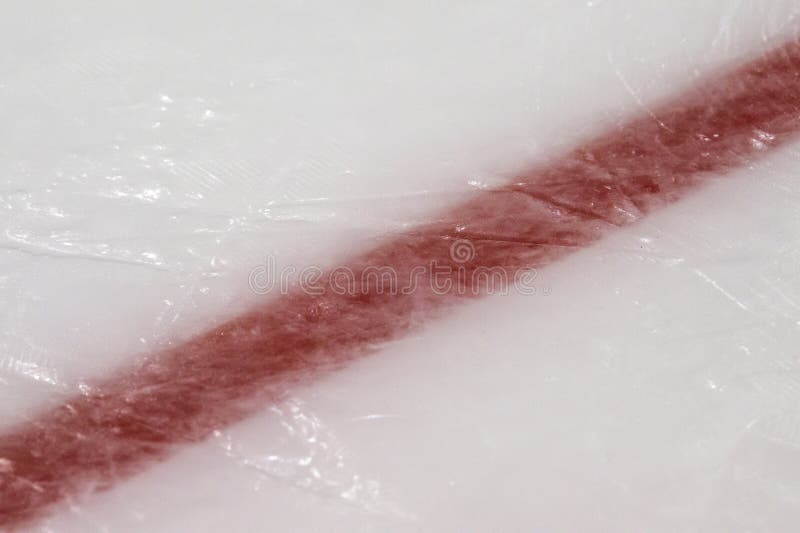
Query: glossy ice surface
x=158 y=156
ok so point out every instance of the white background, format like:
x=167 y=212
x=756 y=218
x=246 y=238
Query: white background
x=153 y=153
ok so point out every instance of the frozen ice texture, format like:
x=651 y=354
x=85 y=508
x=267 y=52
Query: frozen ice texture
x=157 y=153
x=119 y=425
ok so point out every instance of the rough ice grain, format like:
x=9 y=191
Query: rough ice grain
x=179 y=397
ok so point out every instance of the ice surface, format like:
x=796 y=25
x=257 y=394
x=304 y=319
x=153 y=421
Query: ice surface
x=157 y=154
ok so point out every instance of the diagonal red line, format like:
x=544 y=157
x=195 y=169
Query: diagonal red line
x=140 y=415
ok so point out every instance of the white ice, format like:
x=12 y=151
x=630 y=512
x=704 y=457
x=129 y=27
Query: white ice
x=153 y=153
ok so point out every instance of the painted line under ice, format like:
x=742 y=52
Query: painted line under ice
x=140 y=415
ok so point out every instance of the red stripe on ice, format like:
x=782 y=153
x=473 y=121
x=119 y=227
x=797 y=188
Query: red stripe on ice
x=178 y=397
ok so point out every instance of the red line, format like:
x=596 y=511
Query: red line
x=140 y=415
